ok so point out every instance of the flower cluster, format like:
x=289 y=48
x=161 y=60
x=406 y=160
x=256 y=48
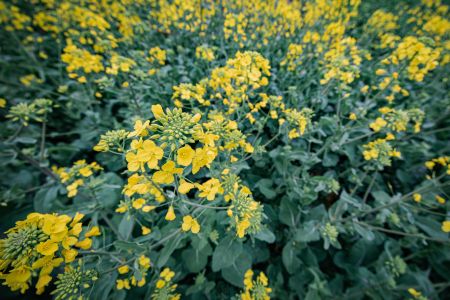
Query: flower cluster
x=398 y=120
x=381 y=151
x=164 y=288
x=37 y=245
x=75 y=176
x=160 y=158
x=139 y=271
x=255 y=289
x=75 y=281
x=37 y=111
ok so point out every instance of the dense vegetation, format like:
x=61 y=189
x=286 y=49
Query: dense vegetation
x=208 y=149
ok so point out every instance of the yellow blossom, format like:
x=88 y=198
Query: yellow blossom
x=185 y=187
x=123 y=269
x=165 y=176
x=145 y=230
x=170 y=216
x=185 y=156
x=191 y=224
x=47 y=248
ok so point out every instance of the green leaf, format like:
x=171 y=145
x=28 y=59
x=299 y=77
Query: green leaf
x=129 y=246
x=288 y=212
x=234 y=274
x=290 y=260
x=226 y=253
x=265 y=187
x=308 y=232
x=168 y=249
x=44 y=200
x=196 y=260
x=265 y=235
x=126 y=226
x=364 y=232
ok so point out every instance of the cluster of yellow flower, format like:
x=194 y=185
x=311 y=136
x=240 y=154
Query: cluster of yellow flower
x=299 y=120
x=255 y=289
x=257 y=21
x=381 y=151
x=80 y=60
x=164 y=148
x=420 y=58
x=244 y=211
x=165 y=289
x=397 y=119
x=381 y=21
x=74 y=176
x=41 y=243
x=157 y=58
x=204 y=52
x=443 y=161
x=142 y=264
x=112 y=141
x=36 y=110
x=390 y=85
x=12 y=18
x=342 y=61
x=231 y=89
x=293 y=57
x=188 y=15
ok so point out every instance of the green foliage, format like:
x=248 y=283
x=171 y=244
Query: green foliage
x=342 y=143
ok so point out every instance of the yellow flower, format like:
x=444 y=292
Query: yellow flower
x=69 y=241
x=210 y=188
x=147 y=208
x=170 y=216
x=2 y=103
x=446 y=226
x=84 y=244
x=414 y=293
x=353 y=116
x=47 y=248
x=43 y=281
x=191 y=224
x=160 y=284
x=46 y=264
x=242 y=227
x=140 y=129
x=144 y=261
x=185 y=156
x=203 y=157
x=69 y=255
x=158 y=111
x=440 y=199
x=18 y=277
x=86 y=171
x=148 y=153
x=167 y=172
x=167 y=274
x=185 y=187
x=138 y=203
x=123 y=269
x=417 y=197
x=95 y=231
x=430 y=165
x=378 y=124
x=77 y=218
x=121 y=209
x=122 y=284
x=145 y=230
